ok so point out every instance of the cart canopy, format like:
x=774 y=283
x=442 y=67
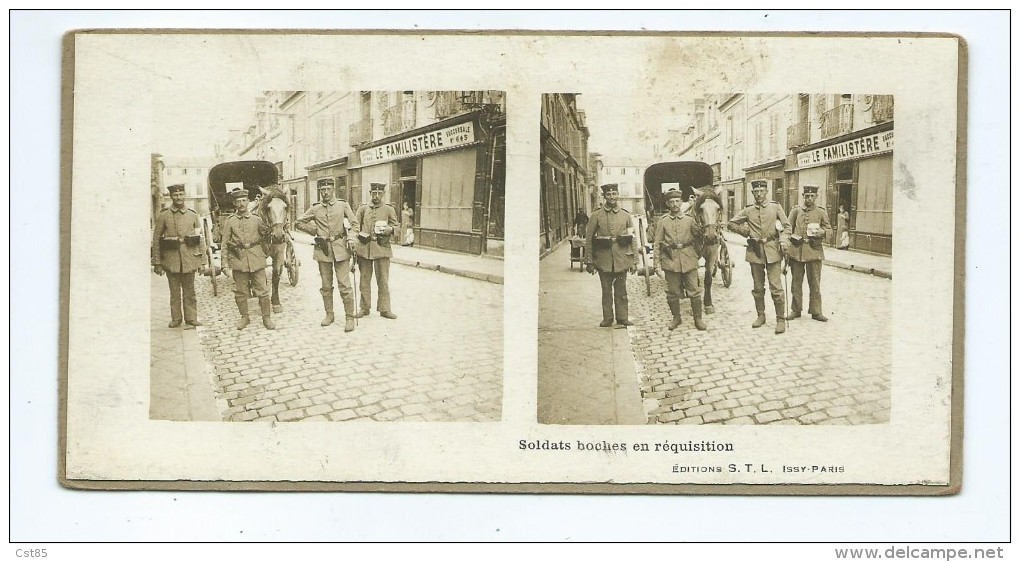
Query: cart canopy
x=253 y=174
x=688 y=176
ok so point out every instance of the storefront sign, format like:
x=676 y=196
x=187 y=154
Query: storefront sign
x=418 y=145
x=870 y=145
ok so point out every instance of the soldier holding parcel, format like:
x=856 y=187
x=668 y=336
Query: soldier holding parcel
x=676 y=239
x=243 y=237
x=331 y=221
x=377 y=223
x=611 y=249
x=178 y=251
x=810 y=224
x=767 y=229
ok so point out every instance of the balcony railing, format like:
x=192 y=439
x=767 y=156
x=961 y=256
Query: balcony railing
x=798 y=134
x=361 y=132
x=882 y=109
x=398 y=118
x=838 y=121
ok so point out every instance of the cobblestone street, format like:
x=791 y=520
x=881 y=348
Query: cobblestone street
x=441 y=360
x=835 y=372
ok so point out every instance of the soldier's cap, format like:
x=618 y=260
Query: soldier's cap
x=610 y=187
x=325 y=182
x=759 y=184
x=239 y=192
x=810 y=189
x=673 y=193
x=175 y=187
x=377 y=186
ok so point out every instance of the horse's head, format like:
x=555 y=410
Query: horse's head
x=273 y=209
x=707 y=208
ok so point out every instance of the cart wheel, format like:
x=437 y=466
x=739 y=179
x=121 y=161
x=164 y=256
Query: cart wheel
x=725 y=265
x=292 y=264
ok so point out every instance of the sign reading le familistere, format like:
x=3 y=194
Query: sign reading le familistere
x=425 y=143
x=869 y=145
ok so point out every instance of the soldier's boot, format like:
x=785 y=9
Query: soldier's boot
x=267 y=313
x=780 y=316
x=327 y=303
x=349 y=324
x=759 y=305
x=696 y=312
x=674 y=307
x=242 y=307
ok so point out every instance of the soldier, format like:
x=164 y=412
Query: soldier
x=329 y=221
x=377 y=222
x=609 y=247
x=810 y=224
x=177 y=250
x=676 y=235
x=767 y=230
x=243 y=236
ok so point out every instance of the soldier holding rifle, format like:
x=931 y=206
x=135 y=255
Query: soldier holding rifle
x=767 y=229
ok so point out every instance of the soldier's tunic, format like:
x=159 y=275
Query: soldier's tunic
x=374 y=253
x=611 y=258
x=807 y=257
x=326 y=222
x=243 y=235
x=758 y=223
x=677 y=255
x=178 y=259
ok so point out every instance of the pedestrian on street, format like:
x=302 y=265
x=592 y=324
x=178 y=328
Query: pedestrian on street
x=810 y=224
x=610 y=248
x=331 y=221
x=677 y=236
x=377 y=221
x=767 y=230
x=406 y=225
x=842 y=235
x=580 y=223
x=178 y=251
x=243 y=237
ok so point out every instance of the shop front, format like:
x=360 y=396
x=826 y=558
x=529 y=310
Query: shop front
x=855 y=173
x=448 y=174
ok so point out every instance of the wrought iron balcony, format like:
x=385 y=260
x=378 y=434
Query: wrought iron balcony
x=361 y=132
x=398 y=118
x=838 y=121
x=882 y=109
x=798 y=134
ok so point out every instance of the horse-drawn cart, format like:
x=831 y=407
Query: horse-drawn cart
x=694 y=180
x=261 y=180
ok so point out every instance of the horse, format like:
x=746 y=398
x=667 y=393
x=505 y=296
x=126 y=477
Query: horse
x=707 y=209
x=272 y=209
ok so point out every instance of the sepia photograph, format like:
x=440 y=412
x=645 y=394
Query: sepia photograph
x=711 y=221
x=330 y=256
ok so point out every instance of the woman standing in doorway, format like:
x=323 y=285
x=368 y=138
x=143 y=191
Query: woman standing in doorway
x=842 y=236
x=406 y=225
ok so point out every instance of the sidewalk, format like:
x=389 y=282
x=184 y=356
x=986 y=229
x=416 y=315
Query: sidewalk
x=180 y=380
x=877 y=265
x=464 y=265
x=586 y=374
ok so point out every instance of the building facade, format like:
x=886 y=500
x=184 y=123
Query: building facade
x=194 y=174
x=629 y=176
x=565 y=185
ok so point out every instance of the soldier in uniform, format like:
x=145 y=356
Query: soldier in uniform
x=767 y=230
x=377 y=221
x=810 y=224
x=610 y=248
x=676 y=236
x=178 y=251
x=330 y=221
x=243 y=237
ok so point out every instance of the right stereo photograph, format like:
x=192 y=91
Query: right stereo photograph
x=715 y=258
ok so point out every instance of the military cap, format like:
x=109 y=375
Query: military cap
x=239 y=192
x=673 y=193
x=810 y=189
x=374 y=186
x=175 y=187
x=325 y=182
x=610 y=186
x=762 y=184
